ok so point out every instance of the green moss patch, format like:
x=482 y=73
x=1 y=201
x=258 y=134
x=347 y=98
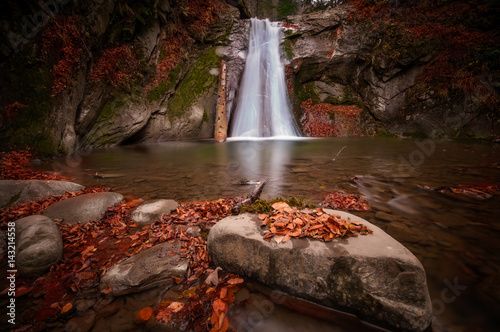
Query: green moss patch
x=197 y=81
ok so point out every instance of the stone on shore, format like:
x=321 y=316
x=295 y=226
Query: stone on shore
x=149 y=211
x=15 y=192
x=372 y=276
x=149 y=268
x=83 y=208
x=39 y=245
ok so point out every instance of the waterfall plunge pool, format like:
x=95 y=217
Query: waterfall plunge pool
x=456 y=239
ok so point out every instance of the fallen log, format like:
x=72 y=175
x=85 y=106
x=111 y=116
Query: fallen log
x=250 y=198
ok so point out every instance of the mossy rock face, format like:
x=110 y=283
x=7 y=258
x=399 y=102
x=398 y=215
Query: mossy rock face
x=119 y=119
x=198 y=81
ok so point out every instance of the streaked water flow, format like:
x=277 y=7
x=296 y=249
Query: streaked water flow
x=263 y=108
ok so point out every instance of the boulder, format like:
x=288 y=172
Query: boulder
x=83 y=208
x=373 y=276
x=15 y=192
x=150 y=211
x=150 y=268
x=39 y=245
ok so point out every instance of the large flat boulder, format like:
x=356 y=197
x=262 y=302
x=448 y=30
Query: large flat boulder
x=372 y=276
x=83 y=208
x=39 y=245
x=149 y=268
x=152 y=210
x=15 y=192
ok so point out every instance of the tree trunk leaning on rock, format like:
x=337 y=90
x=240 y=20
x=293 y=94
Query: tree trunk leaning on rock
x=220 y=134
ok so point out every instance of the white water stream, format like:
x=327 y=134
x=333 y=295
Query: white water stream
x=263 y=108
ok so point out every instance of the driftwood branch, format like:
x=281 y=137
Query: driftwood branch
x=250 y=198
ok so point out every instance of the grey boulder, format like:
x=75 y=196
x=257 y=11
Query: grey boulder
x=149 y=268
x=83 y=208
x=39 y=245
x=152 y=210
x=372 y=276
x=15 y=192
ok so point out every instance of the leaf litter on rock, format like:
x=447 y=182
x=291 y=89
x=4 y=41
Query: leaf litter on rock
x=286 y=223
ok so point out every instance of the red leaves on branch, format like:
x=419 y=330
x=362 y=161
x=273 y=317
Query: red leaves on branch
x=117 y=66
x=286 y=223
x=341 y=201
x=62 y=43
x=13 y=166
x=318 y=120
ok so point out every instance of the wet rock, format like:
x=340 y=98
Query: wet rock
x=83 y=208
x=152 y=210
x=15 y=192
x=374 y=276
x=150 y=268
x=38 y=245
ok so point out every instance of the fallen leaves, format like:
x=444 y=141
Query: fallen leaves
x=475 y=192
x=286 y=223
x=13 y=166
x=342 y=201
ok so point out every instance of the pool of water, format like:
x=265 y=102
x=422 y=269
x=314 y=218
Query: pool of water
x=455 y=238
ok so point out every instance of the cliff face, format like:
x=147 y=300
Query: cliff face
x=105 y=72
x=338 y=62
x=99 y=73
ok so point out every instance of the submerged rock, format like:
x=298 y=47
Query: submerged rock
x=152 y=210
x=148 y=269
x=39 y=245
x=15 y=192
x=374 y=276
x=83 y=208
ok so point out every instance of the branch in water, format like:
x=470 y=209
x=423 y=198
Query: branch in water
x=250 y=198
x=339 y=153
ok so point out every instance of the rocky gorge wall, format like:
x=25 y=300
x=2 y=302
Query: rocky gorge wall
x=110 y=72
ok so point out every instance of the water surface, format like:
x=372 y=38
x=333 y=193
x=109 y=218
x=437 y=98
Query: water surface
x=455 y=238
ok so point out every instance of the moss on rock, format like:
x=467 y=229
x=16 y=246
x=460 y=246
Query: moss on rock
x=197 y=81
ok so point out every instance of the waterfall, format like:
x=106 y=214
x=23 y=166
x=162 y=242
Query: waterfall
x=263 y=108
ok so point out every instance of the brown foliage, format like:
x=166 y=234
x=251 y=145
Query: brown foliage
x=13 y=166
x=286 y=222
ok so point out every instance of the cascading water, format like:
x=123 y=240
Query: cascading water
x=263 y=108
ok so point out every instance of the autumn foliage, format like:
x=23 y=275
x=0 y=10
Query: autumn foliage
x=327 y=120
x=460 y=36
x=193 y=21
x=342 y=201
x=117 y=66
x=286 y=223
x=62 y=44
x=14 y=166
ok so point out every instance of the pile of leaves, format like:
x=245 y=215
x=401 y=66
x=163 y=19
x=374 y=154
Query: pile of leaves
x=342 y=201
x=470 y=191
x=286 y=223
x=13 y=166
x=327 y=120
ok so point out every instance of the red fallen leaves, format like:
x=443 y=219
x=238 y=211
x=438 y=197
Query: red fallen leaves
x=202 y=307
x=470 y=191
x=13 y=166
x=286 y=222
x=37 y=207
x=317 y=119
x=342 y=201
x=11 y=110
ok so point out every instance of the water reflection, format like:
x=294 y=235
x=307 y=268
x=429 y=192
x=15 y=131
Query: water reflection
x=456 y=239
